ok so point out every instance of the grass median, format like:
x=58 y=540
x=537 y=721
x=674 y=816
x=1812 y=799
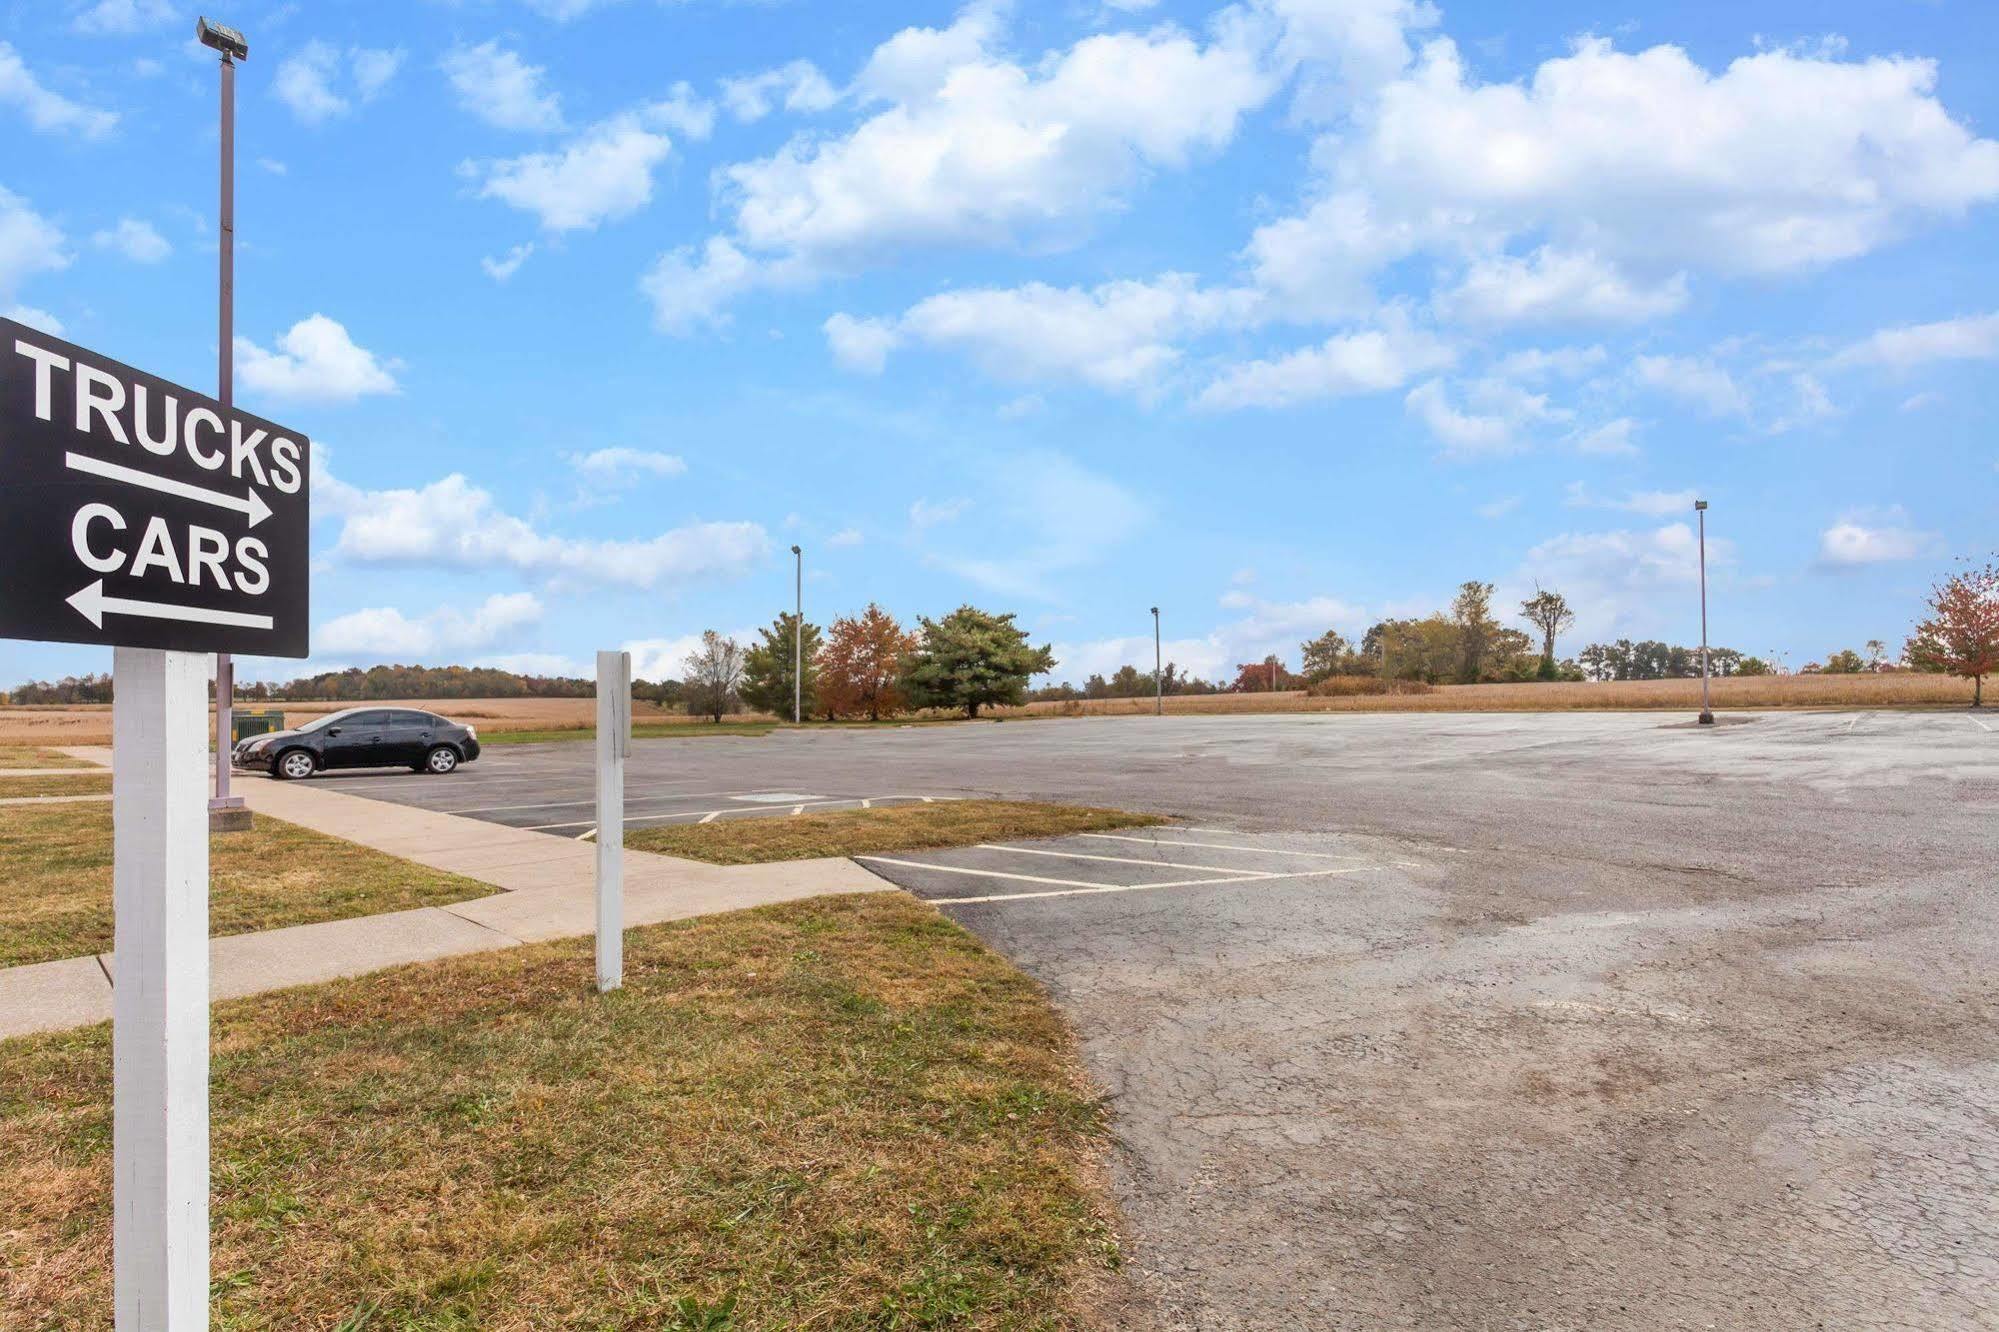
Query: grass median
x=55 y=881
x=840 y=1114
x=65 y=784
x=29 y=756
x=856 y=832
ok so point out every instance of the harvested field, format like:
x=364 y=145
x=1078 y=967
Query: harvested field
x=1902 y=690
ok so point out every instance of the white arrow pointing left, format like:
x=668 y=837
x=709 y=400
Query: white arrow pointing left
x=251 y=505
x=93 y=605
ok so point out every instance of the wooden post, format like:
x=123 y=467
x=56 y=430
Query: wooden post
x=614 y=743
x=159 y=1034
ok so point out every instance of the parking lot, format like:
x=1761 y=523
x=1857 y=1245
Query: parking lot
x=1477 y=1021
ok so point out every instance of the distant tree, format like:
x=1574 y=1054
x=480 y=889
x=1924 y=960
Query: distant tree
x=714 y=671
x=1549 y=612
x=767 y=667
x=1754 y=666
x=1877 y=654
x=1471 y=612
x=1845 y=662
x=1961 y=635
x=1261 y=677
x=1325 y=656
x=859 y=665
x=659 y=693
x=972 y=659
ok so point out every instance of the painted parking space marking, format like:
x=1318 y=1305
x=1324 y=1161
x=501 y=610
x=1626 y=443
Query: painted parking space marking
x=746 y=811
x=1124 y=887
x=1979 y=724
x=1217 y=846
x=1117 y=860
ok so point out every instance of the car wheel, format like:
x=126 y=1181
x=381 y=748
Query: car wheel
x=441 y=760
x=293 y=765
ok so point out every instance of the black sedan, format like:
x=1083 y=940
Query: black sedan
x=361 y=738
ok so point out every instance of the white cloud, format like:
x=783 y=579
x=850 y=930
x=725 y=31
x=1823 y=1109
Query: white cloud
x=861 y=345
x=1702 y=383
x=454 y=524
x=1461 y=432
x=48 y=111
x=385 y=632
x=272 y=165
x=929 y=513
x=539 y=663
x=845 y=538
x=1611 y=439
x=1644 y=162
x=666 y=658
x=135 y=239
x=321 y=81
x=1343 y=365
x=1500 y=507
x=1627 y=581
x=121 y=17
x=970 y=148
x=1868 y=537
x=683 y=111
x=797 y=86
x=314 y=361
x=1650 y=503
x=603 y=174
x=1533 y=364
x=507 y=264
x=1972 y=338
x=1557 y=287
x=500 y=88
x=29 y=243
x=1118 y=336
x=619 y=466
x=1050 y=516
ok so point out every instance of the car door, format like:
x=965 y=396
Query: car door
x=411 y=735
x=362 y=742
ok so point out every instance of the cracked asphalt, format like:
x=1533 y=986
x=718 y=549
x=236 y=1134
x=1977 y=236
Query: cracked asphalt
x=1633 y=1024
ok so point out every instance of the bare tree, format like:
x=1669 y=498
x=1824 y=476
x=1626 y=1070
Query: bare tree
x=714 y=670
x=1549 y=612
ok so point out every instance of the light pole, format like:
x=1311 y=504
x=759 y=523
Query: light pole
x=1158 y=671
x=225 y=811
x=798 y=638
x=1707 y=712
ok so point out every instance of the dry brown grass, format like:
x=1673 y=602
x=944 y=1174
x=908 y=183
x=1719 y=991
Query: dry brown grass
x=16 y=756
x=1900 y=690
x=55 y=881
x=841 y=1114
x=858 y=832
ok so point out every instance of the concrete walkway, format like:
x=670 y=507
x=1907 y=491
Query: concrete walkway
x=549 y=892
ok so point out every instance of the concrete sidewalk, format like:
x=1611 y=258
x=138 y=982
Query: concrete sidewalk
x=548 y=892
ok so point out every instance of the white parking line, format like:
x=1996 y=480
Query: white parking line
x=1128 y=887
x=1115 y=860
x=591 y=800
x=709 y=815
x=1218 y=846
x=1250 y=877
x=1979 y=724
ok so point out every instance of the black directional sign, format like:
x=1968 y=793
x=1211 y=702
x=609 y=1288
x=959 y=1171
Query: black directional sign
x=137 y=513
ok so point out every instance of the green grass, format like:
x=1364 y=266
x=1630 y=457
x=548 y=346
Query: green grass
x=844 y=1114
x=82 y=783
x=873 y=831
x=27 y=756
x=55 y=881
x=640 y=731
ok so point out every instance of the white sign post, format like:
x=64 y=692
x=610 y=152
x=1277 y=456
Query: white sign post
x=159 y=1031
x=614 y=746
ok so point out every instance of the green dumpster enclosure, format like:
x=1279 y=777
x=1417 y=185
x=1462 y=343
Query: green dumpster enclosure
x=247 y=724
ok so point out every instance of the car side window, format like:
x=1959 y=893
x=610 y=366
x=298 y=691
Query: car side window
x=415 y=721
x=371 y=721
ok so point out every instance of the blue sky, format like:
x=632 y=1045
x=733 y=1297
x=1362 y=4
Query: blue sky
x=1282 y=314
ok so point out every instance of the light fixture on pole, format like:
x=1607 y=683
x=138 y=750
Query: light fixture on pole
x=1158 y=671
x=1707 y=711
x=798 y=638
x=226 y=812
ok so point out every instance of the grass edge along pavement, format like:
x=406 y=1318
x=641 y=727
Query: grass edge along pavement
x=855 y=832
x=37 y=756
x=55 y=881
x=840 y=1113
x=63 y=784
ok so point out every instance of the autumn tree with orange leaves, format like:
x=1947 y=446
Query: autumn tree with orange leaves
x=1961 y=637
x=859 y=665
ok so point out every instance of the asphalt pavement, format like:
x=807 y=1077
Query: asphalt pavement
x=1482 y=1021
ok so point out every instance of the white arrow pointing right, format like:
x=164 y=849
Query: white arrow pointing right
x=252 y=505
x=93 y=605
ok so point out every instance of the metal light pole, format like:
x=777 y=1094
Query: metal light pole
x=798 y=639
x=1707 y=712
x=1158 y=671
x=226 y=811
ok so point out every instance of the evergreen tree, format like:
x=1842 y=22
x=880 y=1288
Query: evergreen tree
x=767 y=667
x=972 y=659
